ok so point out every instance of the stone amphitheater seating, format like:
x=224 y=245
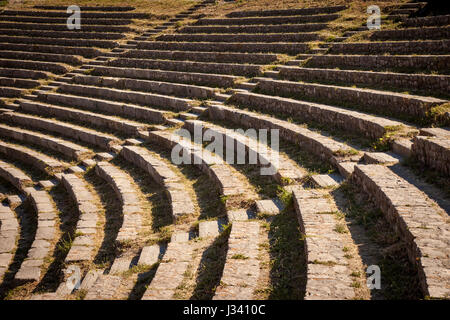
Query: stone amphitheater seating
x=98 y=111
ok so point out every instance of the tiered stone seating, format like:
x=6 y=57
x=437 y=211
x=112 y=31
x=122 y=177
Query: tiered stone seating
x=203 y=76
x=180 y=200
x=82 y=248
x=323 y=147
x=102 y=140
x=9 y=232
x=126 y=192
x=39 y=40
x=41 y=161
x=432 y=147
x=171 y=269
x=373 y=100
x=283 y=169
x=230 y=183
x=327 y=270
x=417 y=221
x=362 y=123
x=241 y=271
x=46 y=234
x=15 y=176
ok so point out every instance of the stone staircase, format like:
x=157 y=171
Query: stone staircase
x=91 y=121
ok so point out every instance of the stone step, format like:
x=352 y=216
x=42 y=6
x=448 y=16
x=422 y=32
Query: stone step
x=397 y=63
x=251 y=47
x=215 y=80
x=166 y=88
x=379 y=102
x=268 y=37
x=105 y=287
x=87 y=8
x=231 y=184
x=269 y=20
x=242 y=267
x=326 y=180
x=287 y=12
x=270 y=207
x=105 y=106
x=246 y=86
x=151 y=255
x=87 y=15
x=58 y=41
x=83 y=134
x=422 y=33
x=347 y=120
x=202 y=67
x=439 y=84
x=388 y=159
x=188 y=116
x=321 y=146
x=127 y=194
x=50 y=57
x=9 y=233
x=15 y=176
x=37 y=160
x=83 y=246
x=222 y=96
x=63 y=20
x=8 y=92
x=67 y=148
x=433 y=151
x=63 y=27
x=429 y=47
x=112 y=123
x=416 y=220
x=161 y=172
x=328 y=273
x=61 y=34
x=54 y=49
x=199 y=110
x=251 y=151
x=46 y=234
x=23 y=73
x=293 y=62
x=170 y=273
x=402 y=147
x=137 y=97
x=441 y=20
x=288 y=28
x=255 y=58
x=56 y=68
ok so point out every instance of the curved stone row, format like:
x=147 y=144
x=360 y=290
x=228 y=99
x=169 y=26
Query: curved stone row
x=180 y=200
x=87 y=228
x=281 y=168
x=230 y=183
x=104 y=141
x=9 y=233
x=362 y=123
x=126 y=192
x=416 y=220
x=323 y=147
x=435 y=83
x=328 y=275
x=33 y=158
x=44 y=239
x=379 y=101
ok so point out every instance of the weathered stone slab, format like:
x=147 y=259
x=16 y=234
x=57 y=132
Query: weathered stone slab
x=149 y=255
